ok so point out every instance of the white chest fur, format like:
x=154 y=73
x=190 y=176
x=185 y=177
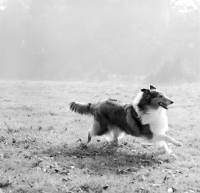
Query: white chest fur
x=157 y=119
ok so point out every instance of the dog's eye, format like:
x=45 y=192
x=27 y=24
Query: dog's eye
x=160 y=96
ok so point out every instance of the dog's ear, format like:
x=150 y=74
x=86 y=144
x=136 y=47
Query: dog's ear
x=152 y=87
x=146 y=91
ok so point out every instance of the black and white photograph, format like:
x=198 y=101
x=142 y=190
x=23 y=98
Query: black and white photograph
x=99 y=96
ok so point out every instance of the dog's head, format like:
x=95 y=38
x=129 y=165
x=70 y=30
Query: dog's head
x=154 y=98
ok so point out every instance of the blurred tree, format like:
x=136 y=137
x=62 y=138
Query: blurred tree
x=61 y=39
x=11 y=36
x=183 y=36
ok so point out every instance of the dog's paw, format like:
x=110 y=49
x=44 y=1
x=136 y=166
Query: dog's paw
x=179 y=143
x=174 y=156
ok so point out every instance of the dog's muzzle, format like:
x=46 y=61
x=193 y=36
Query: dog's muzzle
x=163 y=105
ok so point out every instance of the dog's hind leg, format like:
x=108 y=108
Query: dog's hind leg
x=91 y=132
x=115 y=138
x=95 y=130
x=89 y=137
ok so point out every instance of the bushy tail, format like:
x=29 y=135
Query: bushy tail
x=82 y=108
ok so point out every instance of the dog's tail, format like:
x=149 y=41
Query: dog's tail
x=82 y=108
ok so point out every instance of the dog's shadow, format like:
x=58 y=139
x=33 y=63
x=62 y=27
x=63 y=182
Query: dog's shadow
x=104 y=158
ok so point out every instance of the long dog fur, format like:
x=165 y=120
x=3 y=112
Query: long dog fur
x=144 y=117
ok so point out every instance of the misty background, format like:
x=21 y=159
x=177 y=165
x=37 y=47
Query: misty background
x=155 y=40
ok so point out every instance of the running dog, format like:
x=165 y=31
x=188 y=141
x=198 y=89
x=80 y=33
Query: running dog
x=145 y=117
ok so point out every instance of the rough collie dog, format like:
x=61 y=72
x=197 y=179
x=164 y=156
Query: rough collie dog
x=144 y=117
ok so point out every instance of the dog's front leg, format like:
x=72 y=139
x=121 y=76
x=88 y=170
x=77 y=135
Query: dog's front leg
x=163 y=139
x=166 y=149
x=170 y=140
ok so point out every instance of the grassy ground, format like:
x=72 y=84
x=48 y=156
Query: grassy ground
x=42 y=143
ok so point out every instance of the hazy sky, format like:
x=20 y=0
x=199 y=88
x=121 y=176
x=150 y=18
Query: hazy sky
x=63 y=39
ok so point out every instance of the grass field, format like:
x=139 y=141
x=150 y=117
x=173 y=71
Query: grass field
x=42 y=143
